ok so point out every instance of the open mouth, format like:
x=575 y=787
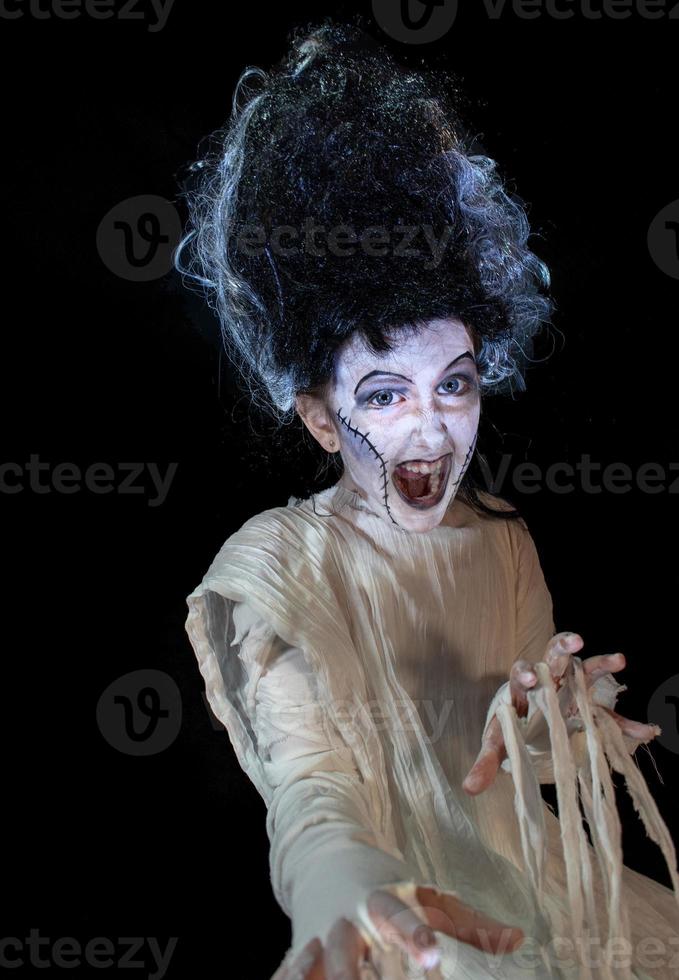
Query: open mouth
x=422 y=484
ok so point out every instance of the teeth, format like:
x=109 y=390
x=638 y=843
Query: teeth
x=434 y=468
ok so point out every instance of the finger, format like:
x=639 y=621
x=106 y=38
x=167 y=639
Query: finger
x=607 y=663
x=522 y=678
x=307 y=964
x=400 y=925
x=488 y=761
x=343 y=949
x=635 y=729
x=449 y=914
x=558 y=653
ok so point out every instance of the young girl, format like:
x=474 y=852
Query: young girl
x=383 y=654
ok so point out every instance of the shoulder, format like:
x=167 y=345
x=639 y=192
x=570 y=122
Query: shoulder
x=495 y=502
x=500 y=506
x=511 y=534
x=276 y=528
x=280 y=545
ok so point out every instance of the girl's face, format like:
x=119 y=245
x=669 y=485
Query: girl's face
x=407 y=421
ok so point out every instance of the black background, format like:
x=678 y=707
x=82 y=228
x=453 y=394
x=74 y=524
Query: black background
x=581 y=115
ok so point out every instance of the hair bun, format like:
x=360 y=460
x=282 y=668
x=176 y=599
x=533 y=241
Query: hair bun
x=341 y=137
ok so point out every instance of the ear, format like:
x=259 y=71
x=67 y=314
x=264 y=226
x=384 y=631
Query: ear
x=316 y=416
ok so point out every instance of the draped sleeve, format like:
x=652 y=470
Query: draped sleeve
x=568 y=739
x=534 y=628
x=327 y=855
x=279 y=566
x=273 y=659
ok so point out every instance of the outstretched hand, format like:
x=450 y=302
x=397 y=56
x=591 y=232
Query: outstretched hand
x=345 y=948
x=522 y=678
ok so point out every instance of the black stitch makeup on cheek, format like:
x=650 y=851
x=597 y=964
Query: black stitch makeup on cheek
x=363 y=436
x=465 y=464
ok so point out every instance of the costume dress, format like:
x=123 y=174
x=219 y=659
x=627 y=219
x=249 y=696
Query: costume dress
x=355 y=666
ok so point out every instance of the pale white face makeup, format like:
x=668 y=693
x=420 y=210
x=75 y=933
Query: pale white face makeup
x=419 y=406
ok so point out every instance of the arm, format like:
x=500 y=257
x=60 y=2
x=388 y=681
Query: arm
x=534 y=631
x=320 y=789
x=326 y=855
x=534 y=608
x=536 y=640
x=331 y=871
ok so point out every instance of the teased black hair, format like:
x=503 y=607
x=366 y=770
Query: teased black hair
x=341 y=135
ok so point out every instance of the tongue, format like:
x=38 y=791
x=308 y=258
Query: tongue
x=416 y=484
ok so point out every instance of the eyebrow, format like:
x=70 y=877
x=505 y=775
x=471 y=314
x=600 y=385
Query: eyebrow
x=391 y=374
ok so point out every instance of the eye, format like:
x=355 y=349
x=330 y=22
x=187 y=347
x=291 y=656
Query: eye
x=378 y=394
x=461 y=385
x=462 y=382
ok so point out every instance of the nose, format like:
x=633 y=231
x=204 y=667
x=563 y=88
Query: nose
x=431 y=425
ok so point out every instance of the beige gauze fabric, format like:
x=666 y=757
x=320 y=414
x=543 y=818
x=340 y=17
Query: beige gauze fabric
x=355 y=667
